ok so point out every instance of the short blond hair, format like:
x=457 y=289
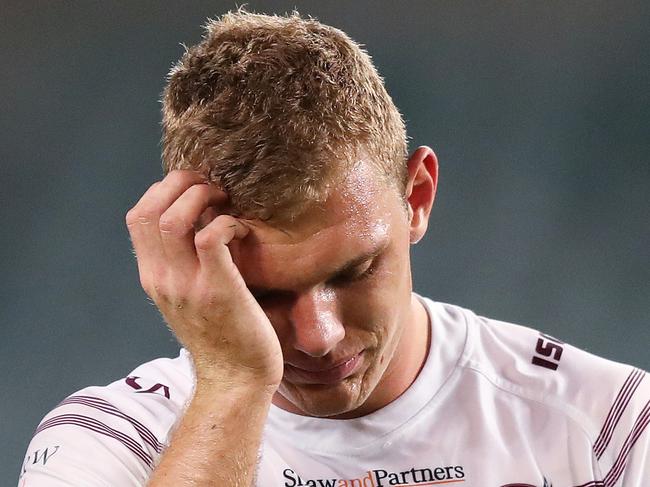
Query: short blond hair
x=273 y=109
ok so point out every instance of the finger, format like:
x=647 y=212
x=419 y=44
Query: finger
x=177 y=223
x=212 y=246
x=206 y=217
x=143 y=223
x=143 y=218
x=137 y=224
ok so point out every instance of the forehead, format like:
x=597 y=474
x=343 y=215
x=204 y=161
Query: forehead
x=356 y=218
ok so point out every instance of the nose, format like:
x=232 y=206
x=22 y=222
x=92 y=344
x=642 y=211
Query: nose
x=316 y=327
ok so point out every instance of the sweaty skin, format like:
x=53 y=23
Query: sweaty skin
x=316 y=317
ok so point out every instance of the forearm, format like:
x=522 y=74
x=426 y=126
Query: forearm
x=218 y=439
x=196 y=285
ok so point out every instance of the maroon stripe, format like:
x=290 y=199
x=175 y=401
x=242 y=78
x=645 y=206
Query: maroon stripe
x=593 y=483
x=98 y=403
x=146 y=435
x=613 y=476
x=101 y=430
x=621 y=461
x=616 y=471
x=99 y=427
x=610 y=416
x=104 y=430
x=616 y=411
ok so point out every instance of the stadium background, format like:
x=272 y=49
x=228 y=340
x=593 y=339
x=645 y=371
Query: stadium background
x=539 y=113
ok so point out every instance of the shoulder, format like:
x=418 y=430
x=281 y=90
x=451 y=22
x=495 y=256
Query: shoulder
x=532 y=363
x=607 y=400
x=124 y=424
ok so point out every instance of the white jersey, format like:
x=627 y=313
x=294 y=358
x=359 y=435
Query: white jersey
x=494 y=405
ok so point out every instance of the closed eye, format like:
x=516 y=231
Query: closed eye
x=355 y=271
x=356 y=275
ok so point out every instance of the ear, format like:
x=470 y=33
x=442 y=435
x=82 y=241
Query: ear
x=421 y=190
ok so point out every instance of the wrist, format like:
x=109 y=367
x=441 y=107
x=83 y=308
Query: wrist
x=234 y=384
x=214 y=375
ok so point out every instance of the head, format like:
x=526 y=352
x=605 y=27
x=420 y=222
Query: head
x=275 y=110
x=290 y=118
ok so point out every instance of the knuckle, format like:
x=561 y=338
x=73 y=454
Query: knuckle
x=153 y=185
x=152 y=280
x=172 y=225
x=175 y=176
x=199 y=191
x=181 y=177
x=131 y=217
x=142 y=216
x=147 y=216
x=219 y=231
x=226 y=220
x=205 y=240
x=223 y=224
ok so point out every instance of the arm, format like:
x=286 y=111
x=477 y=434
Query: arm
x=237 y=357
x=217 y=441
x=237 y=360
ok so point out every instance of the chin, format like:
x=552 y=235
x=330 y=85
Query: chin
x=329 y=410
x=323 y=401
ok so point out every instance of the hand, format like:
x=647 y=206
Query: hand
x=192 y=278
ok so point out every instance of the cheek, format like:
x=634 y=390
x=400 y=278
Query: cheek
x=370 y=315
x=374 y=313
x=382 y=298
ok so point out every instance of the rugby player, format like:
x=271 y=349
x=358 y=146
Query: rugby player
x=277 y=250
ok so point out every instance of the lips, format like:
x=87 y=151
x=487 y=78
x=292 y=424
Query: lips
x=310 y=374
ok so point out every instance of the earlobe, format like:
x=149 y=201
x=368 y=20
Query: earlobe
x=416 y=232
x=413 y=237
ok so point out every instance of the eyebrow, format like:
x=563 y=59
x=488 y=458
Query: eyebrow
x=340 y=272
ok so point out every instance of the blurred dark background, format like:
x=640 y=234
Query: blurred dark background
x=539 y=113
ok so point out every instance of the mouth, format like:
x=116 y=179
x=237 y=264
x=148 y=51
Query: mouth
x=324 y=376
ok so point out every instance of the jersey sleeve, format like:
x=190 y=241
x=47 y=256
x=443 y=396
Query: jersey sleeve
x=87 y=440
x=622 y=446
x=111 y=435
x=607 y=401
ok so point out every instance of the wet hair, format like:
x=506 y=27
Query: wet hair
x=275 y=109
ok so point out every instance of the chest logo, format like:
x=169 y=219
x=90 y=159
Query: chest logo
x=383 y=478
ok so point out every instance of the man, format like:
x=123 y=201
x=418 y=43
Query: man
x=277 y=250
